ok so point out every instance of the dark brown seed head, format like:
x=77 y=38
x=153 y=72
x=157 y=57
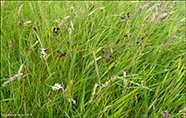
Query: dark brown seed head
x=63 y=54
x=58 y=28
x=110 y=56
x=68 y=42
x=122 y=17
x=128 y=14
x=103 y=51
x=59 y=51
x=45 y=50
x=57 y=32
x=137 y=42
x=54 y=30
x=108 y=59
x=34 y=28
x=142 y=38
x=126 y=35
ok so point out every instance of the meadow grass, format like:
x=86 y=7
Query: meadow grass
x=110 y=59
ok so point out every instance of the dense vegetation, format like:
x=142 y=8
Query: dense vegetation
x=93 y=59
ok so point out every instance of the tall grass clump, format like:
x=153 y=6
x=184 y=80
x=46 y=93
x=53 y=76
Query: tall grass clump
x=93 y=59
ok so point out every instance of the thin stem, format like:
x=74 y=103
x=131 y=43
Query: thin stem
x=38 y=38
x=96 y=68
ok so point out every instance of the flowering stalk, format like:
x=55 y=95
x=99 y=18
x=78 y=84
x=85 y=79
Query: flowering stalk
x=12 y=78
x=42 y=53
x=107 y=61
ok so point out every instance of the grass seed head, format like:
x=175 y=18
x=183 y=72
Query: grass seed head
x=128 y=14
x=20 y=9
x=126 y=35
x=27 y=22
x=12 y=78
x=103 y=51
x=34 y=28
x=93 y=93
x=10 y=45
x=58 y=28
x=54 y=30
x=104 y=110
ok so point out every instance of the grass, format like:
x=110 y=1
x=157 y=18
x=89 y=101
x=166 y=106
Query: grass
x=146 y=42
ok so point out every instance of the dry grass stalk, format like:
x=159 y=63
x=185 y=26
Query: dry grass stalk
x=97 y=102
x=164 y=16
x=153 y=7
x=20 y=9
x=152 y=17
x=93 y=93
x=69 y=32
x=143 y=7
x=34 y=44
x=92 y=62
x=56 y=21
x=38 y=38
x=124 y=85
x=96 y=10
x=30 y=50
x=150 y=107
x=183 y=109
x=66 y=90
x=105 y=109
x=31 y=6
x=63 y=20
x=98 y=50
x=110 y=49
x=104 y=85
x=20 y=69
x=49 y=77
x=92 y=6
x=27 y=22
x=71 y=24
x=11 y=79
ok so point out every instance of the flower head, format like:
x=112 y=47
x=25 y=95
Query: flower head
x=57 y=86
x=43 y=53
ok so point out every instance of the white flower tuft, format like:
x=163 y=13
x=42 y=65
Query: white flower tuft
x=43 y=53
x=57 y=86
x=74 y=102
